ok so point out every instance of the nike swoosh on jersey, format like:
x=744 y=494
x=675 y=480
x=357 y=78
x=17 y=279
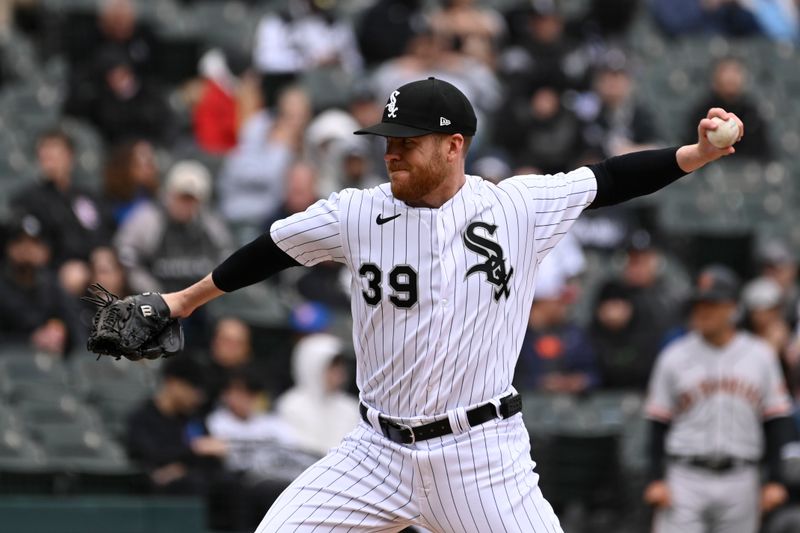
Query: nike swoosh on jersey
x=381 y=221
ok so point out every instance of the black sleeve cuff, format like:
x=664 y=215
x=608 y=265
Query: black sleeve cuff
x=657 y=450
x=636 y=174
x=253 y=262
x=777 y=432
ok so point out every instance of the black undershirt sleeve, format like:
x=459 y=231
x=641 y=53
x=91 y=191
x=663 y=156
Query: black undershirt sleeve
x=656 y=450
x=632 y=175
x=777 y=432
x=253 y=262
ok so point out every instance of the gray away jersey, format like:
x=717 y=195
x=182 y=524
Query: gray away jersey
x=440 y=297
x=716 y=399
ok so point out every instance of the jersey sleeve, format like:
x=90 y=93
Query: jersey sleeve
x=312 y=236
x=775 y=399
x=661 y=398
x=555 y=203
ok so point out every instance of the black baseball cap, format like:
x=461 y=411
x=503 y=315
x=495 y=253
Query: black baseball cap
x=26 y=225
x=716 y=283
x=423 y=107
x=185 y=369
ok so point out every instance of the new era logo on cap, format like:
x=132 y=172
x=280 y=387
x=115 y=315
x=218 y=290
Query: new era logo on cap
x=423 y=107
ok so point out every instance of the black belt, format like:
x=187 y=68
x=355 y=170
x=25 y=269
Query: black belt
x=403 y=434
x=715 y=464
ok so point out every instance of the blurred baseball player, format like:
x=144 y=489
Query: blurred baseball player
x=717 y=399
x=444 y=269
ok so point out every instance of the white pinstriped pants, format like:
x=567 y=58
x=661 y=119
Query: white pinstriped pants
x=479 y=481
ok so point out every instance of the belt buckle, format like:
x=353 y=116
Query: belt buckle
x=401 y=427
x=410 y=431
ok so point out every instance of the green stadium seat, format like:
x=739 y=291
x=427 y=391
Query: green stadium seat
x=31 y=376
x=23 y=464
x=115 y=411
x=93 y=379
x=73 y=448
x=43 y=417
x=8 y=418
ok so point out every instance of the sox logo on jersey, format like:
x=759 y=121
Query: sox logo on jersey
x=495 y=266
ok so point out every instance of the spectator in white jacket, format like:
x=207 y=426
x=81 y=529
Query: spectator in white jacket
x=317 y=407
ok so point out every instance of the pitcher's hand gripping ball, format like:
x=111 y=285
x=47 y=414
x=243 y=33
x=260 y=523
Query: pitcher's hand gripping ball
x=726 y=134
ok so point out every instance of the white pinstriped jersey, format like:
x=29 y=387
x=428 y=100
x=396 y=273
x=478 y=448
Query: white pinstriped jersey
x=440 y=297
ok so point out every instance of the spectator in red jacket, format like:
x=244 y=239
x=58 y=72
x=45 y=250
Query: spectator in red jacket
x=215 y=115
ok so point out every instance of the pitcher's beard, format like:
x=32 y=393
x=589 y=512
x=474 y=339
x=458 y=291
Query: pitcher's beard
x=417 y=183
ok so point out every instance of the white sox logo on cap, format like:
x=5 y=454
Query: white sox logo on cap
x=392 y=105
x=429 y=106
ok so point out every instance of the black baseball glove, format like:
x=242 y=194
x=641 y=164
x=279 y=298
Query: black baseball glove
x=135 y=327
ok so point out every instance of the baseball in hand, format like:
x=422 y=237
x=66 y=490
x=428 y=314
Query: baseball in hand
x=726 y=134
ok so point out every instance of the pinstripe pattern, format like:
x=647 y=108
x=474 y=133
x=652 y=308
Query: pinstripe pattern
x=476 y=482
x=457 y=345
x=454 y=345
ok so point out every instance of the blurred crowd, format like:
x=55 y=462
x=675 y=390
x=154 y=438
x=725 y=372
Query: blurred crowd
x=552 y=93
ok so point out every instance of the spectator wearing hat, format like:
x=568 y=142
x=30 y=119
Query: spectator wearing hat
x=168 y=244
x=75 y=219
x=34 y=310
x=762 y=299
x=168 y=439
x=317 y=408
x=762 y=302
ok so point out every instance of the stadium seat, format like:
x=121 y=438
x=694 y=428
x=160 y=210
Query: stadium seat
x=93 y=379
x=115 y=411
x=31 y=376
x=23 y=466
x=77 y=448
x=44 y=417
x=8 y=417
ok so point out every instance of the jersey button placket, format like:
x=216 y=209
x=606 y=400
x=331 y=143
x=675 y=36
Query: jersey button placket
x=442 y=239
